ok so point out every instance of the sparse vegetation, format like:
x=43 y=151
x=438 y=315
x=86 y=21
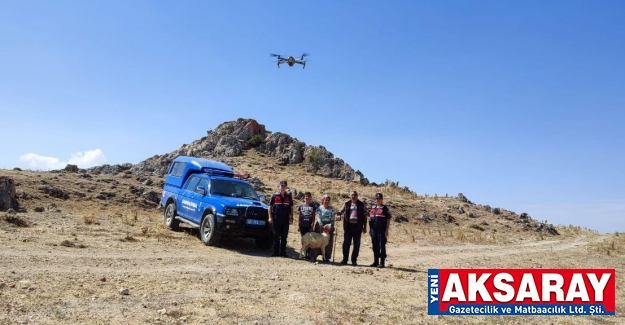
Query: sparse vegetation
x=58 y=313
x=175 y=313
x=325 y=187
x=129 y=238
x=89 y=218
x=314 y=159
x=15 y=220
x=129 y=220
x=254 y=141
x=612 y=246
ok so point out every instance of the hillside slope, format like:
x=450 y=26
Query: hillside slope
x=90 y=247
x=267 y=158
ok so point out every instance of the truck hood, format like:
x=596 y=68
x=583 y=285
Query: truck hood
x=238 y=202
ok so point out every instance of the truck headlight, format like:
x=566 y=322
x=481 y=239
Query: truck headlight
x=232 y=212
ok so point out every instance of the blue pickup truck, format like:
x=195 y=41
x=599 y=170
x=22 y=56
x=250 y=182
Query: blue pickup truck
x=206 y=194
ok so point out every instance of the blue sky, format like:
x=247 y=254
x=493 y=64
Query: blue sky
x=519 y=105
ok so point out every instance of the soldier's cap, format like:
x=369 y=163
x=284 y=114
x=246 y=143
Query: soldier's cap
x=283 y=183
x=379 y=196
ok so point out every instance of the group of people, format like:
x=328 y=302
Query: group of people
x=354 y=214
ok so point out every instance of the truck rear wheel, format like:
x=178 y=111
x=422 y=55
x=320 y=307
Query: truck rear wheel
x=170 y=216
x=208 y=231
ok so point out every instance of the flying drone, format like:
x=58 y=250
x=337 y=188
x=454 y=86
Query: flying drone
x=291 y=60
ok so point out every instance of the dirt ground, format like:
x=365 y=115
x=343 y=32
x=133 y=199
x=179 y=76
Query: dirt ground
x=92 y=248
x=84 y=267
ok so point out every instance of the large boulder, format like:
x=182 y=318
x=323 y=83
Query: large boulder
x=8 y=199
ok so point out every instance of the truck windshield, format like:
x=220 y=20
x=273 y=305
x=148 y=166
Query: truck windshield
x=232 y=189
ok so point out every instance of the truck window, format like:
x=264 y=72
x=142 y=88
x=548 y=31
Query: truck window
x=177 y=169
x=203 y=183
x=192 y=184
x=235 y=189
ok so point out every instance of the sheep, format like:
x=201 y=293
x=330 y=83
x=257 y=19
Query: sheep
x=314 y=240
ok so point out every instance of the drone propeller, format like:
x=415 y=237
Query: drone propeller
x=304 y=55
x=274 y=55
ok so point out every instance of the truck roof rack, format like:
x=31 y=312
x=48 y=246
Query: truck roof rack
x=224 y=173
x=241 y=176
x=217 y=172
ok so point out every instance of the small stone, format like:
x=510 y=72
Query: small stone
x=124 y=292
x=103 y=279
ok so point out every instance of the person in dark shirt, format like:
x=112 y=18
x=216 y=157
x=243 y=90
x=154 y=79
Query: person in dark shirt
x=281 y=216
x=354 y=225
x=379 y=222
x=306 y=217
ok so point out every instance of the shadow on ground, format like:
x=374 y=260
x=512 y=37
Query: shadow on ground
x=405 y=269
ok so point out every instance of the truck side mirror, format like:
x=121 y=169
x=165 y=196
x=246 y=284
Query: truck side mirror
x=201 y=190
x=261 y=197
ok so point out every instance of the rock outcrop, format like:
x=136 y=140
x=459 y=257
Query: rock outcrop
x=231 y=139
x=8 y=199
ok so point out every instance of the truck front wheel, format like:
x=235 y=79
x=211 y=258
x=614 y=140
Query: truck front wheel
x=208 y=231
x=170 y=216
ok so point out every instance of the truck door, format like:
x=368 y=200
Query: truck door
x=197 y=197
x=187 y=207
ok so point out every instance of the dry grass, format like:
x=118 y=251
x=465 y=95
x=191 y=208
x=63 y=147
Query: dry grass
x=173 y=278
x=613 y=245
x=90 y=218
x=15 y=220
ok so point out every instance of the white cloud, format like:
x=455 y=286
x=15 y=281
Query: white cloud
x=88 y=158
x=83 y=159
x=38 y=162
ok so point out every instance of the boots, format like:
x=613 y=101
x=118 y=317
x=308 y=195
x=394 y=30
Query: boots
x=381 y=266
x=375 y=263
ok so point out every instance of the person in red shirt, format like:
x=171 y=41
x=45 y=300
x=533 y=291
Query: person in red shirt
x=354 y=225
x=281 y=216
x=379 y=222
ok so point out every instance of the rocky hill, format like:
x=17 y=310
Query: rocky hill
x=267 y=157
x=233 y=139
